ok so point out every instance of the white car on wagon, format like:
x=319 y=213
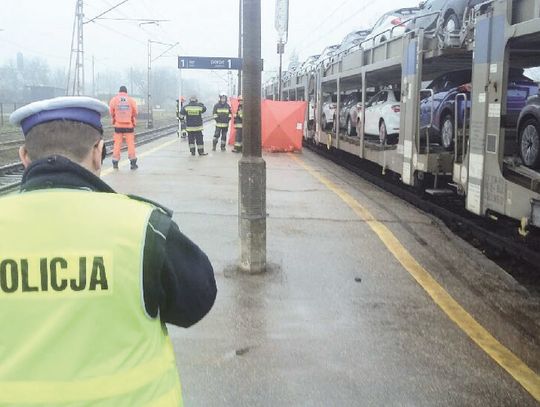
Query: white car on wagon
x=382 y=116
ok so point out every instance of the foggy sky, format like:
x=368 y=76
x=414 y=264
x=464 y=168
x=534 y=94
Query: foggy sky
x=43 y=28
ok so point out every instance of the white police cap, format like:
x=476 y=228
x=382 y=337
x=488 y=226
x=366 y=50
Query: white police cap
x=73 y=108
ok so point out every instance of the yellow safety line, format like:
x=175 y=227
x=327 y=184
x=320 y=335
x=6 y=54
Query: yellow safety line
x=502 y=355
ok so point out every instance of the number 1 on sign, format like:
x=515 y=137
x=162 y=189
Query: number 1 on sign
x=230 y=63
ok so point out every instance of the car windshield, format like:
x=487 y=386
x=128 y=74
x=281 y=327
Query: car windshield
x=381 y=21
x=459 y=78
x=330 y=99
x=450 y=80
x=518 y=74
x=373 y=100
x=355 y=97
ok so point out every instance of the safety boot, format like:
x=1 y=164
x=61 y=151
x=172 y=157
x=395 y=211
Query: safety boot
x=223 y=147
x=133 y=164
x=115 y=164
x=201 y=152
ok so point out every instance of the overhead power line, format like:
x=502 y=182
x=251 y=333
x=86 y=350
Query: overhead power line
x=171 y=46
x=121 y=33
x=324 y=21
x=105 y=12
x=332 y=28
x=142 y=20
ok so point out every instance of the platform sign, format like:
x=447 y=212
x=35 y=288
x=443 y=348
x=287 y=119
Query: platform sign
x=209 y=63
x=281 y=22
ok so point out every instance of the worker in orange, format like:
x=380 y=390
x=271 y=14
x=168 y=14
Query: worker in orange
x=124 y=119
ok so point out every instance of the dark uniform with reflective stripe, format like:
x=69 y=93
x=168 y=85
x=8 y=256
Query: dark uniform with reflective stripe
x=181 y=121
x=222 y=115
x=238 y=120
x=194 y=125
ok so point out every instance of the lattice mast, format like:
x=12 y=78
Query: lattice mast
x=75 y=81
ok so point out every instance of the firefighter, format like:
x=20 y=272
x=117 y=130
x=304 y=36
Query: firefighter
x=182 y=133
x=238 y=120
x=222 y=115
x=192 y=114
x=124 y=119
x=93 y=275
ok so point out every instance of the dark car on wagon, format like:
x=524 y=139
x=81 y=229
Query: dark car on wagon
x=446 y=15
x=437 y=111
x=529 y=133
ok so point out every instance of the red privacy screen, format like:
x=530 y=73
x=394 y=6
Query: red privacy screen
x=282 y=125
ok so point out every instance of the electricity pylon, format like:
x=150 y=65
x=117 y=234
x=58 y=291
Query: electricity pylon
x=75 y=80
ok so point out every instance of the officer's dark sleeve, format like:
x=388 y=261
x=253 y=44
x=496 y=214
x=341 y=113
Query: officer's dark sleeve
x=178 y=278
x=203 y=108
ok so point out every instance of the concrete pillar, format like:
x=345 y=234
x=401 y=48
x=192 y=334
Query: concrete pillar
x=251 y=167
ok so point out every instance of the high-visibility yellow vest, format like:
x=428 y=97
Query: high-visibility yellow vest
x=75 y=331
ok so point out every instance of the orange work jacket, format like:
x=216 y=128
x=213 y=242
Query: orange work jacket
x=123 y=111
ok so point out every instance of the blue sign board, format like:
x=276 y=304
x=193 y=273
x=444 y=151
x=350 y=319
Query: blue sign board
x=209 y=63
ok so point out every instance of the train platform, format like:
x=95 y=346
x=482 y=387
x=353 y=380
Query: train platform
x=369 y=302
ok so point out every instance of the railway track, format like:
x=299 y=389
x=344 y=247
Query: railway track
x=11 y=174
x=498 y=239
x=10 y=144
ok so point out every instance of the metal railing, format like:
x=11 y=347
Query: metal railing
x=459 y=157
x=430 y=125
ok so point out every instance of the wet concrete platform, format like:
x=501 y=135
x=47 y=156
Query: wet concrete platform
x=337 y=321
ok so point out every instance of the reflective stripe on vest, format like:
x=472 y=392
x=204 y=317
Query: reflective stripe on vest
x=71 y=304
x=193 y=110
x=196 y=128
x=222 y=125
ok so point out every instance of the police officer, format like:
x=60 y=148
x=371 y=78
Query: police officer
x=85 y=291
x=124 y=119
x=222 y=115
x=238 y=119
x=192 y=114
